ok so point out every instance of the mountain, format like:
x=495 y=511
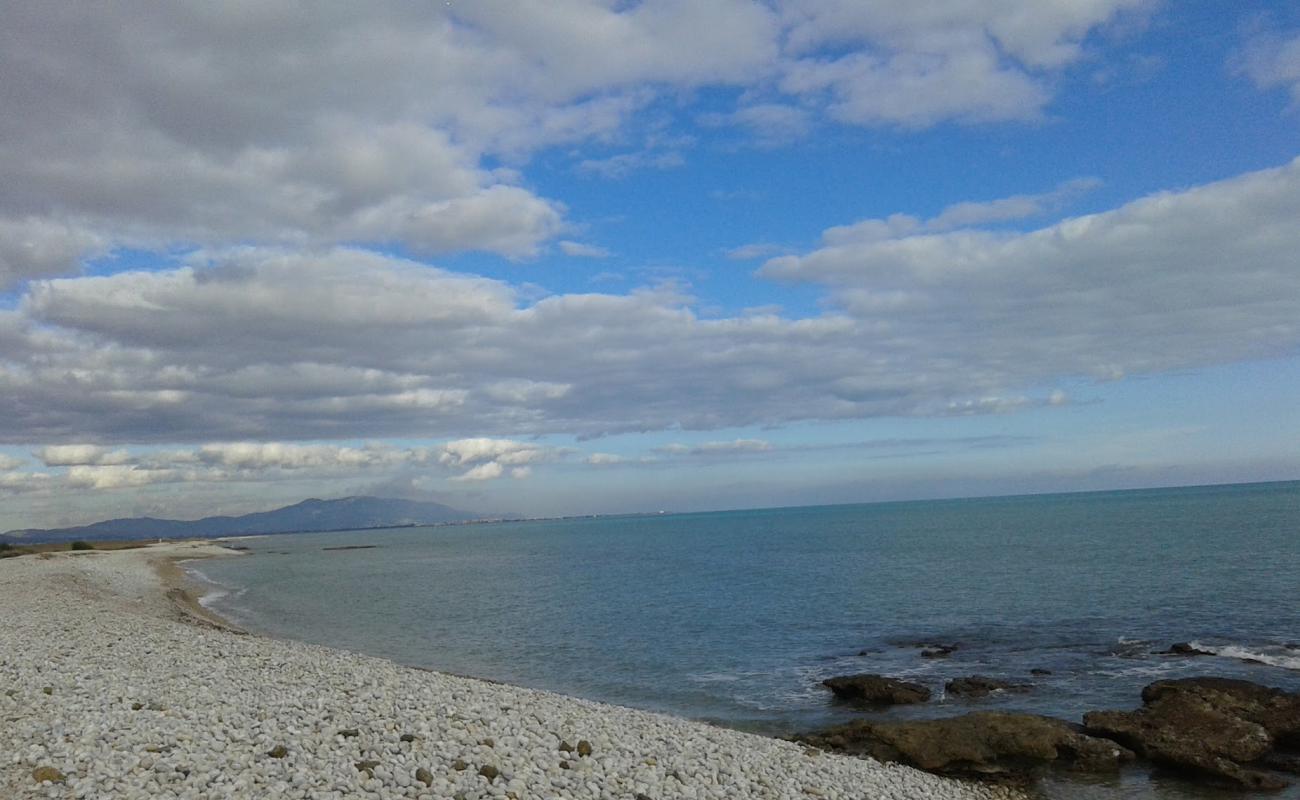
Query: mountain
x=348 y=513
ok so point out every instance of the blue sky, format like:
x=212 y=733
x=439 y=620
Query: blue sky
x=587 y=256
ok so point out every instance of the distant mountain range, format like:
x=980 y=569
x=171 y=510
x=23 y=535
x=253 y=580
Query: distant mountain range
x=348 y=513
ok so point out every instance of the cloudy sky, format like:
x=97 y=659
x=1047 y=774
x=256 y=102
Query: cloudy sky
x=570 y=256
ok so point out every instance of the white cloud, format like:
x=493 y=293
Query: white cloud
x=605 y=459
x=8 y=462
x=624 y=164
x=490 y=470
x=1272 y=60
x=1174 y=280
x=580 y=250
x=915 y=64
x=921 y=318
x=748 y=252
x=520 y=473
x=735 y=446
x=67 y=455
x=771 y=124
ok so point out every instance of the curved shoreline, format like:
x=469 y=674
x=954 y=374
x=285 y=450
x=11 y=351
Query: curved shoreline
x=120 y=683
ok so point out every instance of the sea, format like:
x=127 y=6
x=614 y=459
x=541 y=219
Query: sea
x=735 y=617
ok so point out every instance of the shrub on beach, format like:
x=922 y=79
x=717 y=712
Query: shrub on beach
x=80 y=545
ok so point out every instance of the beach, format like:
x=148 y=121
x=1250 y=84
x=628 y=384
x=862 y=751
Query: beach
x=117 y=684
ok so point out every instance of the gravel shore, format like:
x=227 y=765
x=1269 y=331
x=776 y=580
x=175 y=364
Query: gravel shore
x=112 y=687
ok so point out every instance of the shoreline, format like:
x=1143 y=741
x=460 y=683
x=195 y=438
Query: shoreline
x=120 y=683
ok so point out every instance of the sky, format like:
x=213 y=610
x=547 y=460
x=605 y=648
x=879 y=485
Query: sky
x=603 y=256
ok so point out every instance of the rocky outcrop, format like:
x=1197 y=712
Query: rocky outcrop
x=878 y=690
x=1227 y=729
x=1183 y=649
x=981 y=686
x=981 y=744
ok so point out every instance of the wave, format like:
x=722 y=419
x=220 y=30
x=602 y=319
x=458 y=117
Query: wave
x=1272 y=655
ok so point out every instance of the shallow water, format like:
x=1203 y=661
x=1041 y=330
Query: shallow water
x=735 y=617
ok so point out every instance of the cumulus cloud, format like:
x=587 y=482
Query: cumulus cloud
x=605 y=459
x=8 y=463
x=921 y=318
x=201 y=125
x=914 y=64
x=1174 y=280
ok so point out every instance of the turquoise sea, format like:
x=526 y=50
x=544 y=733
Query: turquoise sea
x=735 y=617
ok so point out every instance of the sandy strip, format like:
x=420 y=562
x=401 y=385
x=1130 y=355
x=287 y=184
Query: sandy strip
x=116 y=683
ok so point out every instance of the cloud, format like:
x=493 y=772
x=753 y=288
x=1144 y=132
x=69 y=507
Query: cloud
x=620 y=166
x=748 y=252
x=1174 y=280
x=8 y=463
x=1271 y=59
x=605 y=459
x=68 y=455
x=961 y=215
x=916 y=65
x=483 y=472
x=580 y=250
x=771 y=124
x=919 y=318
x=735 y=446
x=203 y=125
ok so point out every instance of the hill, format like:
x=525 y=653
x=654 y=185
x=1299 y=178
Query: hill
x=310 y=515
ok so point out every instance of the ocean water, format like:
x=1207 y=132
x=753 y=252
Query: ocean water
x=735 y=617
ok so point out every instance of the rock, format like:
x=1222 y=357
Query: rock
x=876 y=689
x=349 y=733
x=1040 y=671
x=565 y=747
x=487 y=742
x=1211 y=726
x=1184 y=649
x=459 y=765
x=584 y=748
x=48 y=690
x=407 y=737
x=42 y=774
x=981 y=686
x=137 y=706
x=424 y=776
x=367 y=766
x=488 y=771
x=980 y=744
x=939 y=651
x=279 y=751
x=565 y=765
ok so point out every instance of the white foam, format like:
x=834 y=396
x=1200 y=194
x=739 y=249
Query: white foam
x=1274 y=656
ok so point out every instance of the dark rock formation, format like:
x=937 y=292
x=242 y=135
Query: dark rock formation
x=981 y=744
x=981 y=686
x=939 y=651
x=1040 y=671
x=876 y=690
x=1184 y=649
x=1218 y=727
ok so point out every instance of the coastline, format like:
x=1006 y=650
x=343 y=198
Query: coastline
x=120 y=683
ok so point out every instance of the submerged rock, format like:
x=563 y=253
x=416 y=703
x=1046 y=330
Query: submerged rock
x=980 y=744
x=1219 y=727
x=939 y=651
x=981 y=686
x=1184 y=649
x=876 y=689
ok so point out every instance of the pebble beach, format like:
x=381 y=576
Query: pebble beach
x=114 y=684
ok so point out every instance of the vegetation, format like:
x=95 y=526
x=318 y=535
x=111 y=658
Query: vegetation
x=80 y=545
x=9 y=551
